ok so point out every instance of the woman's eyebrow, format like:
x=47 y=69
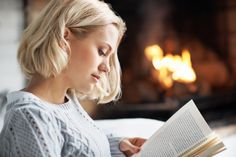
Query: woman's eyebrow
x=109 y=46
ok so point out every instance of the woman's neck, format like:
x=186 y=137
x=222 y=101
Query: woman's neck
x=51 y=89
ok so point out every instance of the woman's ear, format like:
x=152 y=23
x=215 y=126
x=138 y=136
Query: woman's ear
x=66 y=34
x=65 y=43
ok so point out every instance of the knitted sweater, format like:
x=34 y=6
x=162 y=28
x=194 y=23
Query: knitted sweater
x=36 y=128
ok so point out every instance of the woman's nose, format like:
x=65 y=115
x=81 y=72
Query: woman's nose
x=104 y=67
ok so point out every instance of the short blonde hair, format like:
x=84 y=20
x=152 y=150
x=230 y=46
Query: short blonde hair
x=40 y=49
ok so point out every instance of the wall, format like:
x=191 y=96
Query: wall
x=231 y=31
x=11 y=25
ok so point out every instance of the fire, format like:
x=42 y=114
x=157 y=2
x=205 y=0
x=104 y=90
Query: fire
x=170 y=68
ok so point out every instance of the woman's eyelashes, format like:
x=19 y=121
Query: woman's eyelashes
x=101 y=52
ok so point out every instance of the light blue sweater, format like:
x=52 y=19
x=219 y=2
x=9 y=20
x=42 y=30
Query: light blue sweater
x=36 y=128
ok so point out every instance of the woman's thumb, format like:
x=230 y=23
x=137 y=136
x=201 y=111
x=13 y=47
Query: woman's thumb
x=127 y=146
x=133 y=148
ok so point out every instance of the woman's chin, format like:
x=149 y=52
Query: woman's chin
x=87 y=90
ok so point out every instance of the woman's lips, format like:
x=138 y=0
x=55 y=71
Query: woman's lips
x=96 y=77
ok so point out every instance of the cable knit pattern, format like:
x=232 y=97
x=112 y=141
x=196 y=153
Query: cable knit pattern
x=35 y=128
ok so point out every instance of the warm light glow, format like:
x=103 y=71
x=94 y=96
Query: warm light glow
x=153 y=52
x=170 y=67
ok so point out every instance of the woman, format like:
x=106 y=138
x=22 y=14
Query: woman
x=68 y=52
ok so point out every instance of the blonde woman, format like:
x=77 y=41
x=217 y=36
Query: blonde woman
x=68 y=52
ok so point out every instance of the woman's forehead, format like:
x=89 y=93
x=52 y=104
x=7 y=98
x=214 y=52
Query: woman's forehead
x=108 y=34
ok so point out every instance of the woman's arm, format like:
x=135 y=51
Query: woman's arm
x=30 y=132
x=124 y=147
x=115 y=145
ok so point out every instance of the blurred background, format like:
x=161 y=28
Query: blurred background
x=173 y=51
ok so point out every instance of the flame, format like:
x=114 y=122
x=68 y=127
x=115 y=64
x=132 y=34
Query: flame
x=170 y=67
x=153 y=52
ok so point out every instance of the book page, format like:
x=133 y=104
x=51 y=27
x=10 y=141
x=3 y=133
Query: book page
x=185 y=129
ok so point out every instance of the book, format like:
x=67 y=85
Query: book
x=185 y=134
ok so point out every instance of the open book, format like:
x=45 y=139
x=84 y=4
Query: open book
x=185 y=134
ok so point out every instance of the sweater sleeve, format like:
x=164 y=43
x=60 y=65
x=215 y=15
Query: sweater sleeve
x=114 y=142
x=30 y=132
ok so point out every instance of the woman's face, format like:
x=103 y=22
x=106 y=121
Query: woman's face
x=89 y=57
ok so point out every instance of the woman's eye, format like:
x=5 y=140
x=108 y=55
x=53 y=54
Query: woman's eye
x=101 y=53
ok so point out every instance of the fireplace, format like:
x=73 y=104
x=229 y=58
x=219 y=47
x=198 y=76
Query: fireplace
x=199 y=33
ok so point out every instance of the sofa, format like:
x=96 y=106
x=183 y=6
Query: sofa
x=144 y=127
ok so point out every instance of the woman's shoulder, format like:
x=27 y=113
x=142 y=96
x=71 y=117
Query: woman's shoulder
x=25 y=103
x=24 y=106
x=21 y=99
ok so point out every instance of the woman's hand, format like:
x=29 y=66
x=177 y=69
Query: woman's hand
x=130 y=146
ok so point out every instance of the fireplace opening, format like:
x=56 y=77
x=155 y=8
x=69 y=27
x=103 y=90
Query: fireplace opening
x=175 y=51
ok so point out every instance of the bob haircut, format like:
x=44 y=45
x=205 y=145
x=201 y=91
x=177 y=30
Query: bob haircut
x=40 y=50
